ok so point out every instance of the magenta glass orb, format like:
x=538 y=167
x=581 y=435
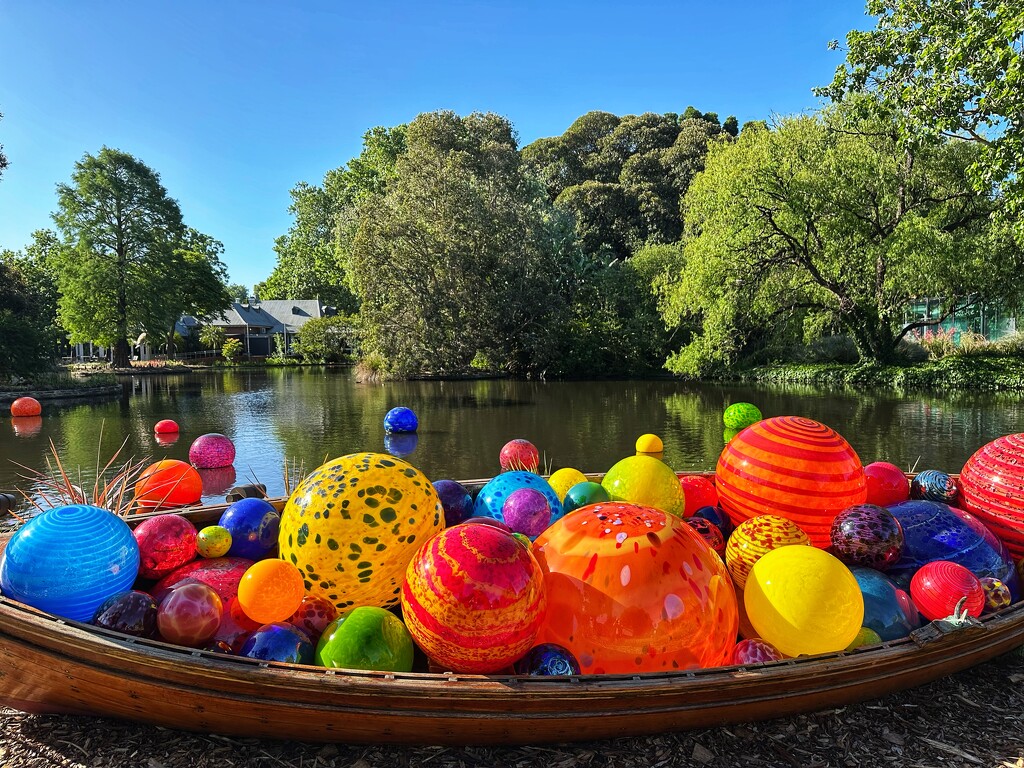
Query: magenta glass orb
x=755 y=651
x=165 y=542
x=211 y=451
x=527 y=511
x=190 y=615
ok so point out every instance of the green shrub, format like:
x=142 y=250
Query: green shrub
x=231 y=349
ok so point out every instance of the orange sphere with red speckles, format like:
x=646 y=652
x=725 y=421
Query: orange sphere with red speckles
x=26 y=406
x=633 y=589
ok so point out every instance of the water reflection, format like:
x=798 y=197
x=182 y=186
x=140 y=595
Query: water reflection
x=287 y=418
x=401 y=444
x=27 y=426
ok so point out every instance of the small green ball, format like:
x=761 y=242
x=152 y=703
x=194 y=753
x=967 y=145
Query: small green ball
x=366 y=637
x=866 y=636
x=741 y=415
x=213 y=541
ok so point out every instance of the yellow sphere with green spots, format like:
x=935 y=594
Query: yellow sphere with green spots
x=353 y=525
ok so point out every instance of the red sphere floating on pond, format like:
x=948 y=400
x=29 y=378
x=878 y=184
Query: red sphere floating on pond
x=165 y=542
x=473 y=598
x=938 y=586
x=992 y=487
x=634 y=589
x=166 y=427
x=211 y=451
x=168 y=483
x=792 y=467
x=26 y=406
x=887 y=484
x=520 y=455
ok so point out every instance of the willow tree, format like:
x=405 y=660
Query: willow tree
x=811 y=223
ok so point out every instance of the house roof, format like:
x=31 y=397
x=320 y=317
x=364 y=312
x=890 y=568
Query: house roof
x=291 y=314
x=275 y=316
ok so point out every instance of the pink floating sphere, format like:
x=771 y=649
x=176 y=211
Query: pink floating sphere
x=211 y=451
x=165 y=542
x=527 y=511
x=519 y=454
x=166 y=427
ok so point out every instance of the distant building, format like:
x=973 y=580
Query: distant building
x=255 y=323
x=990 y=321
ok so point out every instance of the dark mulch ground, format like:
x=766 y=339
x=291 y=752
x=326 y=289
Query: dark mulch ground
x=970 y=719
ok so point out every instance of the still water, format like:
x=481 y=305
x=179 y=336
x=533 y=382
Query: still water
x=282 y=417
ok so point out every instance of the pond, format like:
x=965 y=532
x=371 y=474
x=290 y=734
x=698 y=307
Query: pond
x=300 y=417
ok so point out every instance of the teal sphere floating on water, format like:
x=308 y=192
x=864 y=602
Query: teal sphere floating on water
x=401 y=419
x=69 y=560
x=741 y=415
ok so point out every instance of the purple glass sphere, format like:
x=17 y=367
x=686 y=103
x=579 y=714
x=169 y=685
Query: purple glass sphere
x=456 y=501
x=278 y=642
x=867 y=535
x=754 y=651
x=527 y=511
x=133 y=613
x=211 y=451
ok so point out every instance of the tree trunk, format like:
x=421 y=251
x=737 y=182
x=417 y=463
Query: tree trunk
x=122 y=354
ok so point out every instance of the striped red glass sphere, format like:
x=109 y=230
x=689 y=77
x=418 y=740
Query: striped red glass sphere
x=992 y=487
x=938 y=586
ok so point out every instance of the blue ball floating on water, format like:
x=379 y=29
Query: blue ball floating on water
x=69 y=560
x=401 y=419
x=254 y=525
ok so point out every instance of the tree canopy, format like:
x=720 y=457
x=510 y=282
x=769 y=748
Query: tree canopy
x=947 y=68
x=25 y=341
x=810 y=223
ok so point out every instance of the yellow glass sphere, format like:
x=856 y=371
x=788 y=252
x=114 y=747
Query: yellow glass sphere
x=354 y=524
x=756 y=536
x=564 y=479
x=647 y=481
x=803 y=600
x=649 y=444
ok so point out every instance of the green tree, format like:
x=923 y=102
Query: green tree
x=462 y=254
x=231 y=349
x=212 y=336
x=24 y=342
x=329 y=339
x=121 y=230
x=811 y=222
x=238 y=291
x=948 y=68
x=200 y=278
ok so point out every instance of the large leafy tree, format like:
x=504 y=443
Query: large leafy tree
x=462 y=255
x=813 y=223
x=947 y=68
x=25 y=343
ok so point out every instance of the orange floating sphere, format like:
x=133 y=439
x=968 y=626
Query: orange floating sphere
x=992 y=488
x=271 y=590
x=754 y=538
x=166 y=427
x=168 y=483
x=792 y=467
x=26 y=406
x=634 y=589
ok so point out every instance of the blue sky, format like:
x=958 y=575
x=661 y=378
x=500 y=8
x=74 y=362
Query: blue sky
x=233 y=103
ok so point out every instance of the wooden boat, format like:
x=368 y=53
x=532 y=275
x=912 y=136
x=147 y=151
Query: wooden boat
x=53 y=665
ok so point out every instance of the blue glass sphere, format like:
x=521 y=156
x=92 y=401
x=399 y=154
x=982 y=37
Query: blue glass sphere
x=401 y=419
x=456 y=501
x=933 y=485
x=279 y=641
x=888 y=610
x=69 y=560
x=253 y=524
x=717 y=516
x=548 y=659
x=400 y=444
x=491 y=498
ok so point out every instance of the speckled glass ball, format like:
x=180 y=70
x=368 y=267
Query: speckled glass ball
x=646 y=481
x=527 y=511
x=353 y=525
x=520 y=455
x=992 y=487
x=401 y=419
x=473 y=599
x=741 y=415
x=165 y=542
x=997 y=594
x=313 y=615
x=867 y=535
x=633 y=589
x=211 y=450
x=756 y=537
x=933 y=485
x=755 y=651
x=547 y=659
x=26 y=406
x=213 y=541
x=710 y=532
x=490 y=501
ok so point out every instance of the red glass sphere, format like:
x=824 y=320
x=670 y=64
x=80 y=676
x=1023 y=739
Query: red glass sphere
x=992 y=487
x=168 y=483
x=887 y=484
x=26 y=406
x=939 y=585
x=166 y=427
x=165 y=542
x=698 y=492
x=792 y=467
x=519 y=454
x=189 y=615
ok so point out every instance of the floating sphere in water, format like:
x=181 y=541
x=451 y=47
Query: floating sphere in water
x=698 y=492
x=213 y=541
x=168 y=483
x=888 y=610
x=401 y=419
x=69 y=560
x=527 y=511
x=254 y=525
x=366 y=637
x=456 y=501
x=646 y=481
x=584 y=493
x=189 y=615
x=933 y=485
x=887 y=484
x=756 y=537
x=133 y=613
x=741 y=415
x=271 y=590
x=755 y=651
x=313 y=615
x=564 y=479
x=165 y=542
x=792 y=467
x=547 y=659
x=473 y=598
x=353 y=525
x=520 y=455
x=166 y=427
x=634 y=589
x=278 y=642
x=649 y=444
x=803 y=600
x=938 y=586
x=490 y=501
x=992 y=487
x=211 y=450
x=26 y=406
x=867 y=535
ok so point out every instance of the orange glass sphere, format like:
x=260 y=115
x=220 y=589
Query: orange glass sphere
x=792 y=467
x=26 y=406
x=634 y=589
x=271 y=590
x=755 y=537
x=168 y=483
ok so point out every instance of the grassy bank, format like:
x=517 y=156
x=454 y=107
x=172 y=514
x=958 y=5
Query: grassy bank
x=961 y=372
x=50 y=382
